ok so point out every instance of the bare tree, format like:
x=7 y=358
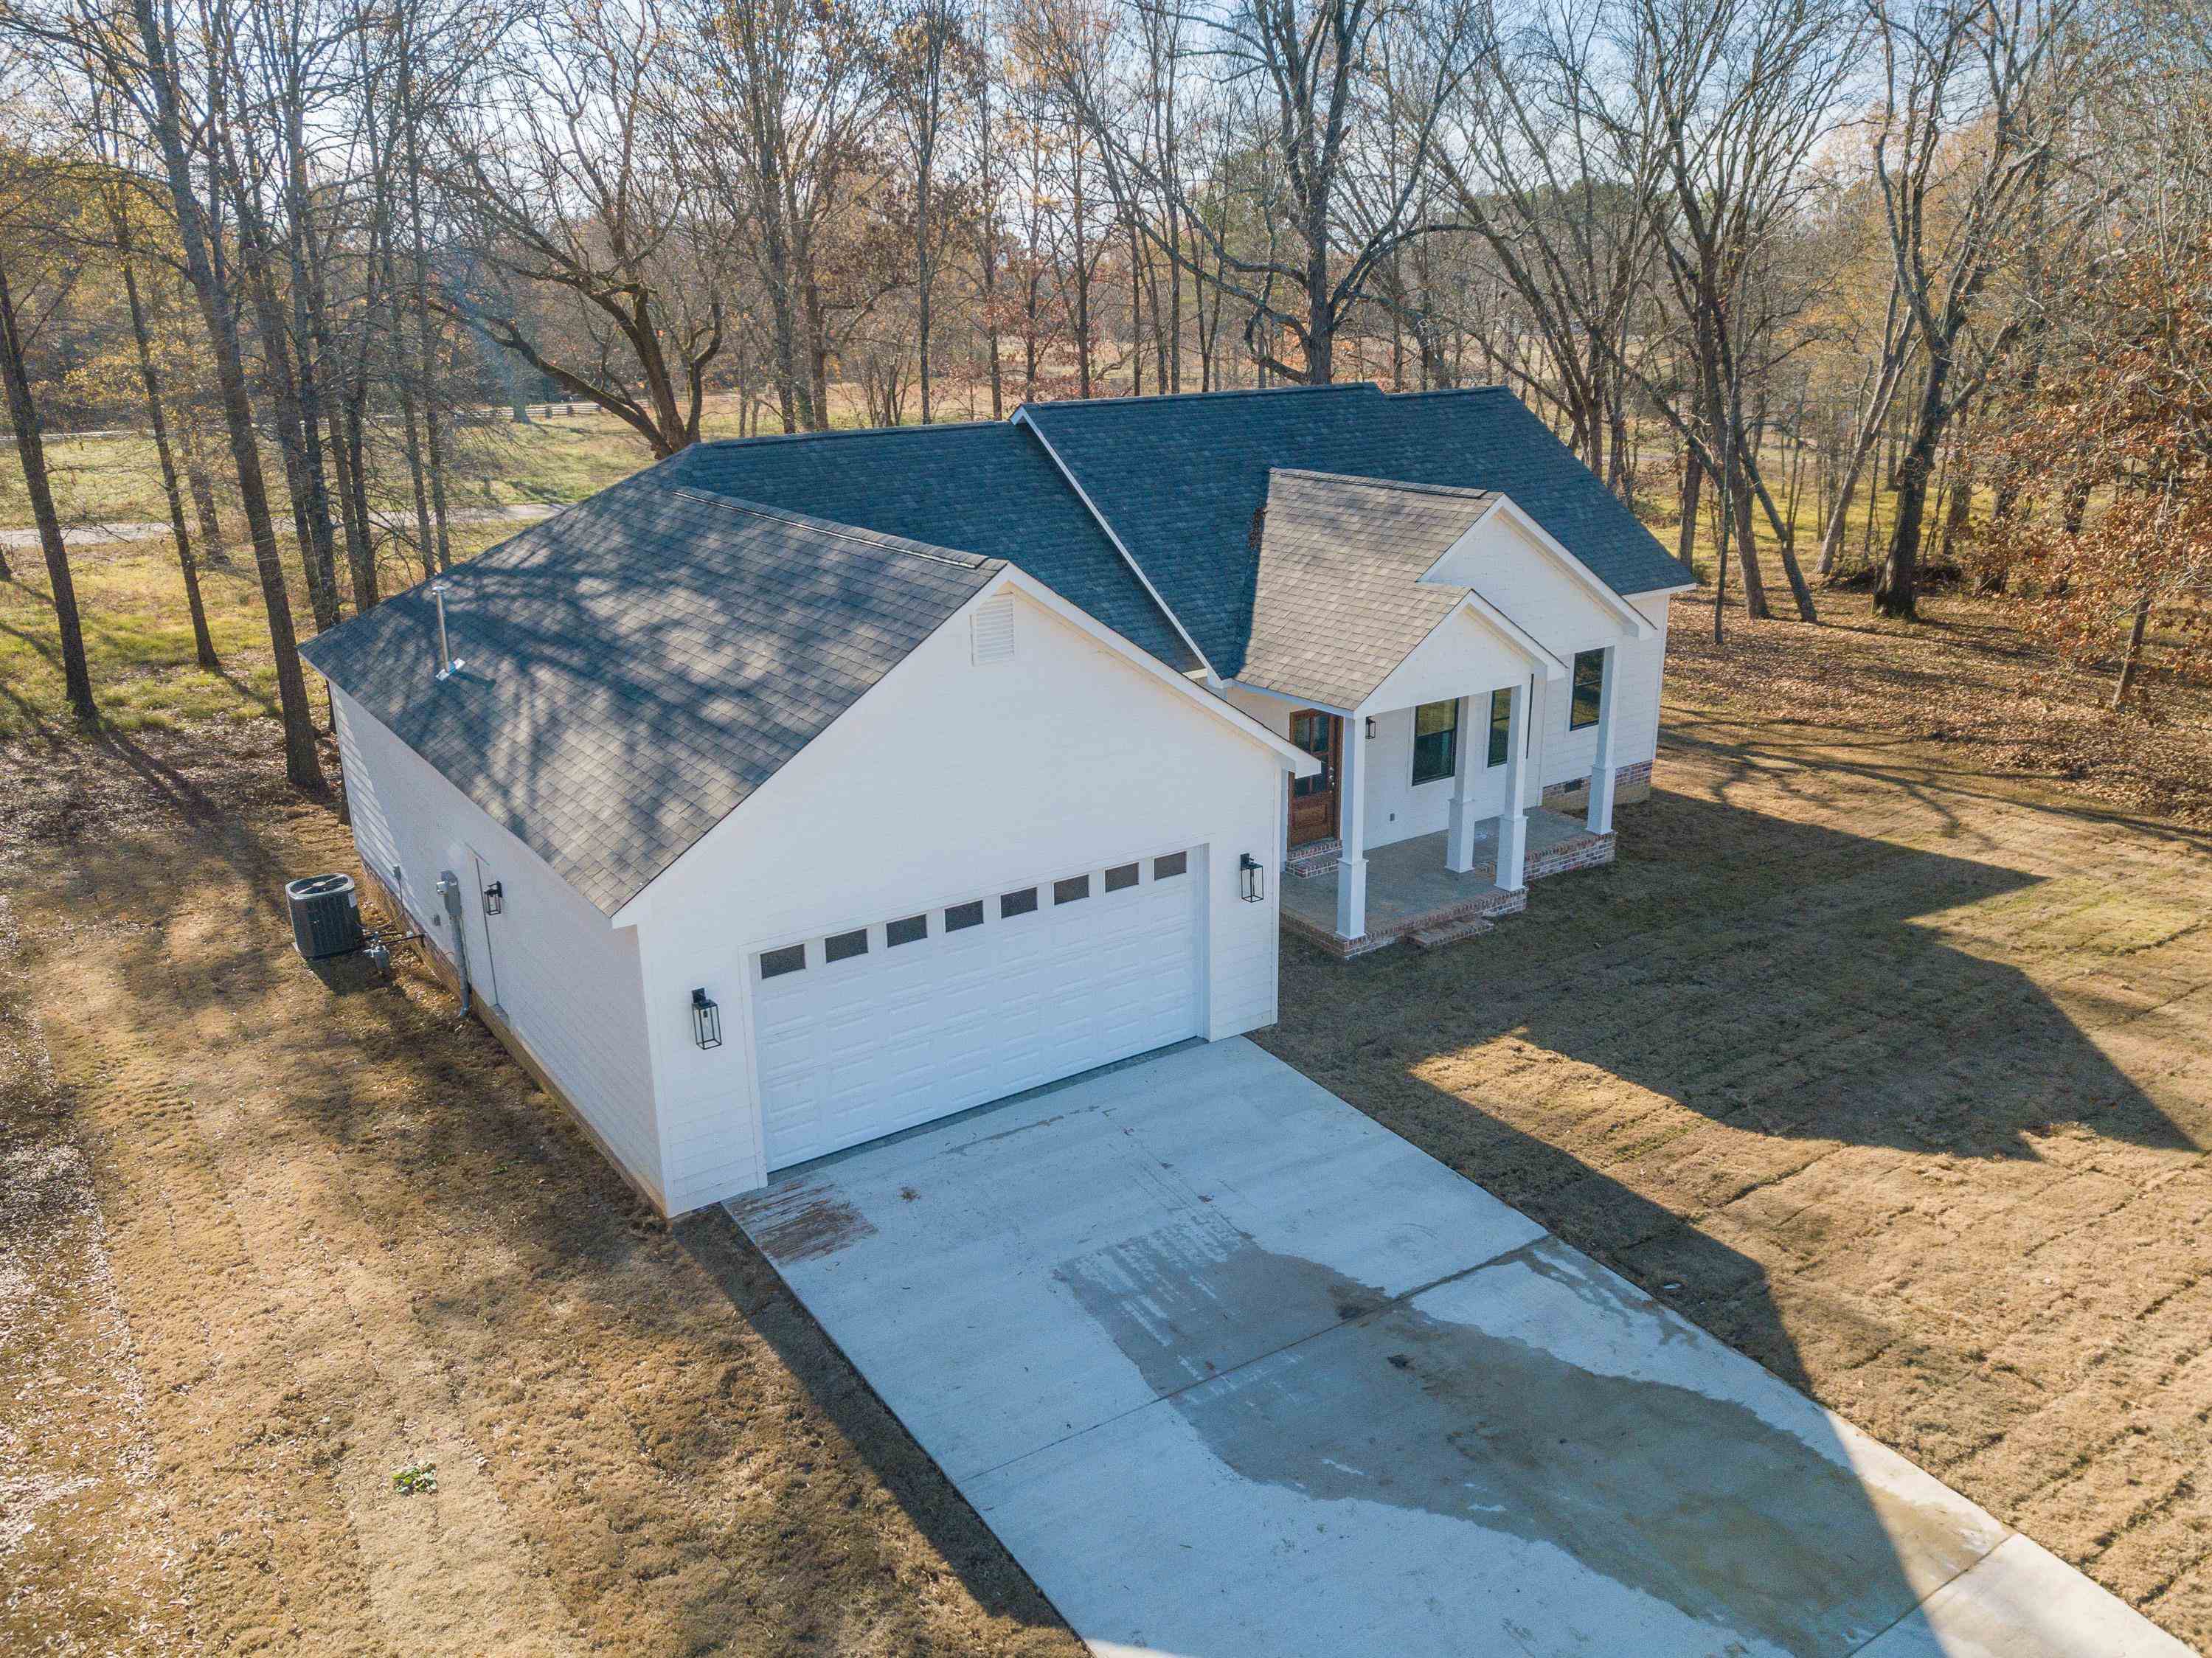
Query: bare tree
x=571 y=194
x=778 y=105
x=24 y=417
x=141 y=68
x=1979 y=98
x=929 y=48
x=1568 y=207
x=1302 y=82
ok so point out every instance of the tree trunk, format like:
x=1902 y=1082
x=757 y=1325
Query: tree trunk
x=31 y=448
x=1082 y=287
x=151 y=377
x=1747 y=542
x=311 y=506
x=1693 y=483
x=353 y=505
x=1961 y=504
x=204 y=509
x=2132 y=661
x=2078 y=505
x=1896 y=592
x=301 y=764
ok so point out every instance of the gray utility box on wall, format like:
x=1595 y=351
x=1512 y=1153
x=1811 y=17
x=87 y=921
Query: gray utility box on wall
x=325 y=918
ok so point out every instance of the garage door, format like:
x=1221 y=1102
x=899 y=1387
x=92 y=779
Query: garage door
x=861 y=1034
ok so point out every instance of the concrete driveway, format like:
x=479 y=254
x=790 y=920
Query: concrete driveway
x=1232 y=1369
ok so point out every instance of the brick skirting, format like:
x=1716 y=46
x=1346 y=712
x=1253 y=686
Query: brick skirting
x=1584 y=852
x=1493 y=902
x=1630 y=785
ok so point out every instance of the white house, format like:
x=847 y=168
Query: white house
x=801 y=790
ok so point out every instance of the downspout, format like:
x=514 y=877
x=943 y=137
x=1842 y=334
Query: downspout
x=449 y=888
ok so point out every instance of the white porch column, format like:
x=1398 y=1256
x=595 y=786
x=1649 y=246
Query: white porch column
x=1600 y=820
x=1459 y=831
x=1351 y=829
x=1513 y=815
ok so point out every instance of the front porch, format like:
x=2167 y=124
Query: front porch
x=1410 y=890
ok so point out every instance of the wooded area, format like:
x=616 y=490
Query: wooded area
x=1868 y=292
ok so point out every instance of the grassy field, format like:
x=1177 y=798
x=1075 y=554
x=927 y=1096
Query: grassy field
x=110 y=480
x=558 y=456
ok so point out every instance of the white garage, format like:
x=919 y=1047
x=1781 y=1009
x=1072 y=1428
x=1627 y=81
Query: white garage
x=766 y=837
x=882 y=1027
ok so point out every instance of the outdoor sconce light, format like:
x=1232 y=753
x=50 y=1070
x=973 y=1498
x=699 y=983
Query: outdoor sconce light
x=1371 y=728
x=494 y=898
x=706 y=1020
x=1252 y=877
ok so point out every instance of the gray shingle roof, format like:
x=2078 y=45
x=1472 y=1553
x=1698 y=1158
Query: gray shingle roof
x=986 y=488
x=1180 y=478
x=641 y=664
x=1338 y=604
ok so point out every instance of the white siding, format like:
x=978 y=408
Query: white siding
x=569 y=983
x=948 y=780
x=1521 y=577
x=1397 y=810
x=1641 y=663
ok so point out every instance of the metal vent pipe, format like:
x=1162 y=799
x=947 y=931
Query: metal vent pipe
x=448 y=667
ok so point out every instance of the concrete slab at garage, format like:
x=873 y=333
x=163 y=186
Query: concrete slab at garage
x=1232 y=1369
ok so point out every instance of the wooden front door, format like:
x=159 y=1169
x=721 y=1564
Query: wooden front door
x=1313 y=799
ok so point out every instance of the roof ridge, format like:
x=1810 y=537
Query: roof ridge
x=1453 y=490
x=1196 y=396
x=768 y=438
x=1455 y=391
x=889 y=543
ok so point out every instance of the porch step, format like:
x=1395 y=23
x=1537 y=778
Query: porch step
x=1315 y=858
x=1436 y=937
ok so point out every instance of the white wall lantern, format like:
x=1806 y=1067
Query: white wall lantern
x=706 y=1020
x=1252 y=879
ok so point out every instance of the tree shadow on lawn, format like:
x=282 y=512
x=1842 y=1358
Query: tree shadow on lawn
x=1783 y=978
x=444 y=1136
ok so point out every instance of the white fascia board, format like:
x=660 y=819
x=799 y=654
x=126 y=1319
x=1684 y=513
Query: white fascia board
x=1314 y=703
x=1540 y=654
x=1021 y=418
x=1517 y=639
x=1294 y=758
x=1631 y=619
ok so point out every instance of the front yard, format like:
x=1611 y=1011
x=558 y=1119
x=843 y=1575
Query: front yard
x=1888 y=1066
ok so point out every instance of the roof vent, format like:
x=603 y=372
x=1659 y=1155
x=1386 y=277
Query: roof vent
x=992 y=635
x=447 y=666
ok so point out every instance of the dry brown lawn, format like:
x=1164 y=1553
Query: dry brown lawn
x=1892 y=1068
x=262 y=1244
x=1888 y=1058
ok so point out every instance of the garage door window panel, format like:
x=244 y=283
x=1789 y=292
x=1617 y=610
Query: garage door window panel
x=898 y=1037
x=908 y=930
x=774 y=963
x=844 y=946
x=1073 y=889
